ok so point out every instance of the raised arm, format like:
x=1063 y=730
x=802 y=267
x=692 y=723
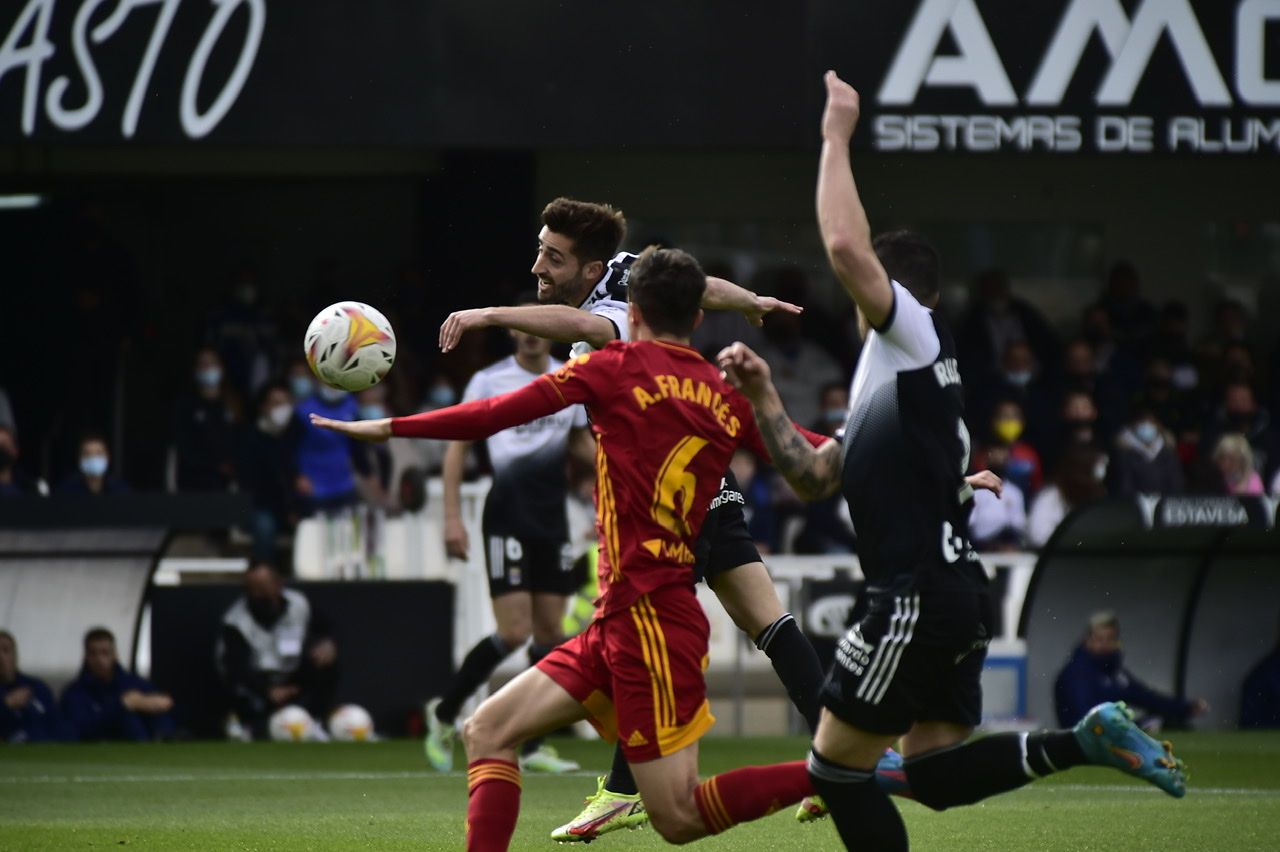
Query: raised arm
x=812 y=472
x=722 y=295
x=553 y=322
x=846 y=233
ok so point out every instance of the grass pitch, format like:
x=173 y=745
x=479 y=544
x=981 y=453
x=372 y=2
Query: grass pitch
x=215 y=796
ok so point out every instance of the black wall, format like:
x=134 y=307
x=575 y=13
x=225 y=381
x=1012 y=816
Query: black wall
x=395 y=647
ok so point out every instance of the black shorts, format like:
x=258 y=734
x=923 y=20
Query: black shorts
x=529 y=565
x=724 y=542
x=912 y=658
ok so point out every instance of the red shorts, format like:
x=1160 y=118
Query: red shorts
x=639 y=673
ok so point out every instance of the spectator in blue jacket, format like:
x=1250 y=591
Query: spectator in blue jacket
x=105 y=702
x=28 y=713
x=1260 y=697
x=1096 y=673
x=332 y=466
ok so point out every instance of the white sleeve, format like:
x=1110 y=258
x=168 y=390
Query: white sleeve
x=909 y=330
x=615 y=312
x=580 y=420
x=1046 y=513
x=476 y=388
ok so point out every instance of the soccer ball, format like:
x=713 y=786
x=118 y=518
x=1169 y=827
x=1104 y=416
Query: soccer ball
x=292 y=724
x=351 y=723
x=350 y=345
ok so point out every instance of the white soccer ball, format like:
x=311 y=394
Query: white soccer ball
x=351 y=723
x=292 y=724
x=350 y=345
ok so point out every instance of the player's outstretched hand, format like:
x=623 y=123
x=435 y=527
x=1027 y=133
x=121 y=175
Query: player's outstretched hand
x=459 y=323
x=767 y=305
x=745 y=370
x=985 y=480
x=840 y=118
x=363 y=430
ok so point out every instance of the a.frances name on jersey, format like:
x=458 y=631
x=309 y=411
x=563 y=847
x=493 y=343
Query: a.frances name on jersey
x=947 y=372
x=672 y=387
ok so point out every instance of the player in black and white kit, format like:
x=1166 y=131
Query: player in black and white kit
x=525 y=539
x=911 y=666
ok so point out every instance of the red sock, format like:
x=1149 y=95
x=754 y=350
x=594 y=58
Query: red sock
x=750 y=793
x=494 y=789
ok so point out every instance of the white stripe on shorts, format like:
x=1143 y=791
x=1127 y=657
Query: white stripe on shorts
x=890 y=636
x=913 y=607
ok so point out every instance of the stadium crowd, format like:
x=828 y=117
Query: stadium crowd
x=1121 y=401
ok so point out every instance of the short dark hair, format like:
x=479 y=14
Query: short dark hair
x=96 y=634
x=596 y=229
x=94 y=435
x=667 y=286
x=5 y=634
x=911 y=260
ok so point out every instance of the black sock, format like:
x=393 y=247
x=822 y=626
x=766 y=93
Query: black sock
x=864 y=816
x=536 y=653
x=995 y=764
x=476 y=668
x=796 y=663
x=620 y=779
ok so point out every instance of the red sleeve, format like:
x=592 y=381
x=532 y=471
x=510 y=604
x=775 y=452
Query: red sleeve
x=481 y=418
x=754 y=441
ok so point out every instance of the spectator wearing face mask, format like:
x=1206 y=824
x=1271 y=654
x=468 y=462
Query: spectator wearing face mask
x=1080 y=375
x=205 y=432
x=1020 y=380
x=299 y=379
x=1144 y=460
x=1077 y=425
x=427 y=454
x=997 y=318
x=273 y=651
x=1234 y=461
x=1078 y=481
x=93 y=475
x=268 y=468
x=13 y=481
x=1096 y=673
x=1021 y=465
x=330 y=462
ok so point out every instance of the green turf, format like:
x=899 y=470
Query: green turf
x=213 y=796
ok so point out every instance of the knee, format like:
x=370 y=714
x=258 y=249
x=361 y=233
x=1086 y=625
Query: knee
x=481 y=734
x=678 y=825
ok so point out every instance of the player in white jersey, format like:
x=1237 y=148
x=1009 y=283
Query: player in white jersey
x=525 y=540
x=911 y=666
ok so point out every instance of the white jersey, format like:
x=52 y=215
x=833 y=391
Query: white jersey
x=608 y=299
x=906 y=450
x=527 y=498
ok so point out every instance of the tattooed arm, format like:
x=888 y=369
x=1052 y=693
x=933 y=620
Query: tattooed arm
x=812 y=472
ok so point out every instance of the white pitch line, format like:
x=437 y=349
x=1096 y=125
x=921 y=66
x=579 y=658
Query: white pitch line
x=176 y=778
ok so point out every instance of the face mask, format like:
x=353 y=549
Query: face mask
x=1008 y=430
x=93 y=465
x=1018 y=378
x=1146 y=432
x=835 y=415
x=372 y=411
x=332 y=394
x=1185 y=377
x=280 y=415
x=441 y=396
x=209 y=377
x=1100 y=470
x=301 y=387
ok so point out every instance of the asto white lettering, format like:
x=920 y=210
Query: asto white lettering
x=28 y=47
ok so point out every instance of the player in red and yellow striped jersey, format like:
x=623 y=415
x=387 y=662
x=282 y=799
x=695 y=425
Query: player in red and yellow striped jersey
x=666 y=425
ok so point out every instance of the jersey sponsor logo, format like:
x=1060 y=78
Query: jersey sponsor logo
x=946 y=372
x=853 y=652
x=727 y=496
x=674 y=551
x=698 y=392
